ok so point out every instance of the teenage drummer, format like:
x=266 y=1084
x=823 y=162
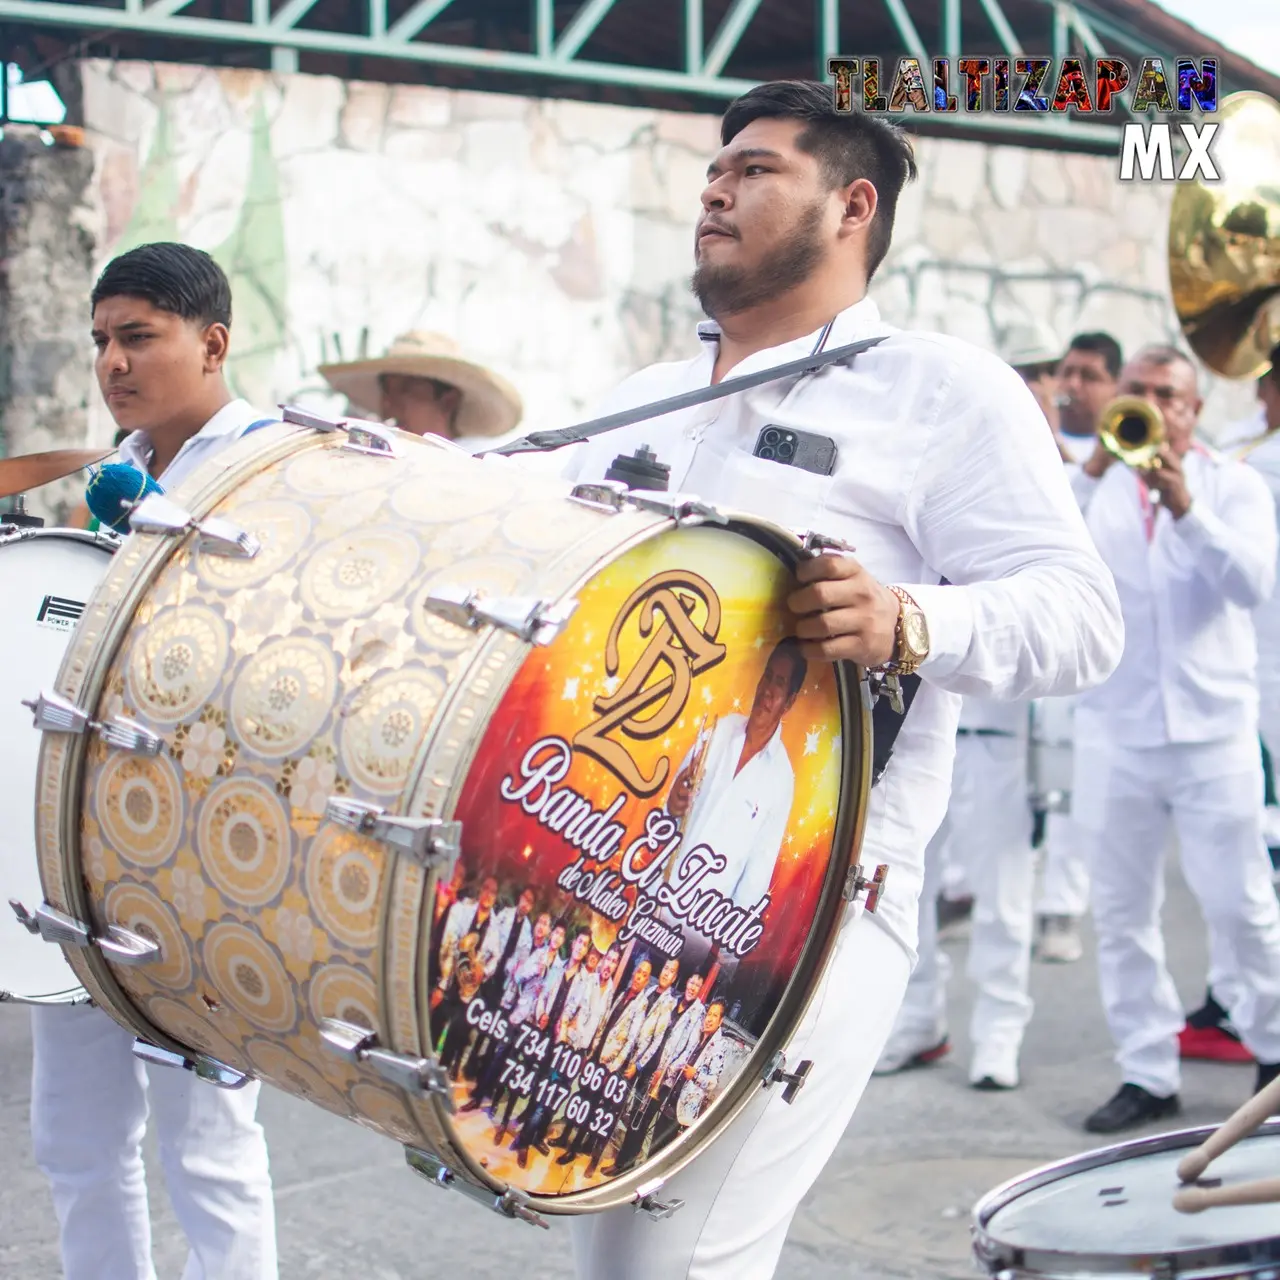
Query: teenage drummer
x=937 y=463
x=161 y=325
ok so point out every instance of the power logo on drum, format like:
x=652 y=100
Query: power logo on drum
x=59 y=612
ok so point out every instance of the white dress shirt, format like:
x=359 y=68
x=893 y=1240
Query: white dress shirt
x=1264 y=457
x=1237 y=436
x=992 y=716
x=1187 y=589
x=223 y=429
x=741 y=816
x=946 y=468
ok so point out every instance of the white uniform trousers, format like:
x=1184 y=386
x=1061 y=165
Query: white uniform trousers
x=1064 y=891
x=89 y=1110
x=741 y=1192
x=987 y=831
x=1125 y=798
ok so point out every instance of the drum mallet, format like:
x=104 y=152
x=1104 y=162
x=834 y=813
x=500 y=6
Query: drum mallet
x=1240 y=1125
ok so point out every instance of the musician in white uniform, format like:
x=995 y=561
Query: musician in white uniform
x=985 y=839
x=161 y=322
x=1263 y=455
x=1209 y=1032
x=1086 y=382
x=1172 y=738
x=945 y=468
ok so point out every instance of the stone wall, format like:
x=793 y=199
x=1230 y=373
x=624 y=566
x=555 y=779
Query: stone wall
x=553 y=239
x=47 y=239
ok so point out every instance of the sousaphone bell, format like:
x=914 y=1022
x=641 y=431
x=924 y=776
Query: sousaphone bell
x=1224 y=243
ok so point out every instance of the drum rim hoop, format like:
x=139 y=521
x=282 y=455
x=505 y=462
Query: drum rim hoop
x=100 y=538
x=990 y=1249
x=814 y=960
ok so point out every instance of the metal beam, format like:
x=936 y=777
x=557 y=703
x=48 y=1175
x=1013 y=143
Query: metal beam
x=731 y=30
x=1061 y=33
x=579 y=31
x=162 y=8
x=544 y=28
x=828 y=34
x=290 y=14
x=1099 y=136
x=1135 y=41
x=418 y=16
x=1004 y=32
x=692 y=37
x=1086 y=34
x=951 y=28
x=907 y=30
x=284 y=39
x=377 y=18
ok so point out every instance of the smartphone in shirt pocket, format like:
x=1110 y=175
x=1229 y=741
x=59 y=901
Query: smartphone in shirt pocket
x=776 y=489
x=803 y=450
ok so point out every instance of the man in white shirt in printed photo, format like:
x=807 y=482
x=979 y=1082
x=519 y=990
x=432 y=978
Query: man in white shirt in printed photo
x=1171 y=739
x=743 y=800
x=945 y=468
x=162 y=330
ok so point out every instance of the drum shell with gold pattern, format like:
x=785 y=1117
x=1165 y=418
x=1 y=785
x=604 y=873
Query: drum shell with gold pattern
x=315 y=670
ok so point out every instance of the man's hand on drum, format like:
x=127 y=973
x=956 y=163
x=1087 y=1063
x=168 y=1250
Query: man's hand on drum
x=842 y=612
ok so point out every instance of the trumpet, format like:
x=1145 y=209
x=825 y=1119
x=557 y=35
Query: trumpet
x=1132 y=429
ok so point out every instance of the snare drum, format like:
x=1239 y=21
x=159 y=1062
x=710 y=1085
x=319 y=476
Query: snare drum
x=375 y=806
x=46 y=576
x=1109 y=1214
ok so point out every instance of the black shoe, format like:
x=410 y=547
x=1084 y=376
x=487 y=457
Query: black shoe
x=567 y=1157
x=1132 y=1106
x=1210 y=1014
x=1267 y=1072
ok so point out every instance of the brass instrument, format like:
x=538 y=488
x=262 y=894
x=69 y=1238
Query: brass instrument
x=1132 y=429
x=1224 y=243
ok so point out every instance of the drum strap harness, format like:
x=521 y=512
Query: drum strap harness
x=892 y=696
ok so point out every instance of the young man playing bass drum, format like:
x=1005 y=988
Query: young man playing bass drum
x=945 y=468
x=161 y=328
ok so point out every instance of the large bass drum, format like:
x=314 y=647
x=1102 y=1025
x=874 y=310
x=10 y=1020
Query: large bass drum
x=384 y=799
x=46 y=576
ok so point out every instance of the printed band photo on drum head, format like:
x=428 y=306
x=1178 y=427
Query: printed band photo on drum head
x=647 y=829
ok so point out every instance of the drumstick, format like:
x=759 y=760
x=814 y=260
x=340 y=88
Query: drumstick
x=1198 y=1199
x=1240 y=1125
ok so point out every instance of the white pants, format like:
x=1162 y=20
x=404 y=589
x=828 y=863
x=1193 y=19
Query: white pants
x=89 y=1109
x=1125 y=799
x=741 y=1192
x=987 y=831
x=1065 y=888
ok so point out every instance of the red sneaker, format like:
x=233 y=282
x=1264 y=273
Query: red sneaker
x=1211 y=1044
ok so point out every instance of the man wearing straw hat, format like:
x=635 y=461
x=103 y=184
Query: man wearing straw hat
x=425 y=385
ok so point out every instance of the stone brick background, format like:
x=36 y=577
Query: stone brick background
x=553 y=239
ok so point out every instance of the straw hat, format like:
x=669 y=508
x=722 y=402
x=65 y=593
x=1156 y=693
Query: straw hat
x=1026 y=345
x=490 y=406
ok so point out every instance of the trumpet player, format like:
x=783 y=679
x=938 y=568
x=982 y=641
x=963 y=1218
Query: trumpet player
x=1190 y=537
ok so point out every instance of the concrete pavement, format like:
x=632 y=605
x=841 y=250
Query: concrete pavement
x=893 y=1204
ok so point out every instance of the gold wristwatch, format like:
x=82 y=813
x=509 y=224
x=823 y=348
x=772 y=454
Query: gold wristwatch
x=910 y=637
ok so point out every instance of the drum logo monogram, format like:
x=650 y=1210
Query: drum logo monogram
x=679 y=648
